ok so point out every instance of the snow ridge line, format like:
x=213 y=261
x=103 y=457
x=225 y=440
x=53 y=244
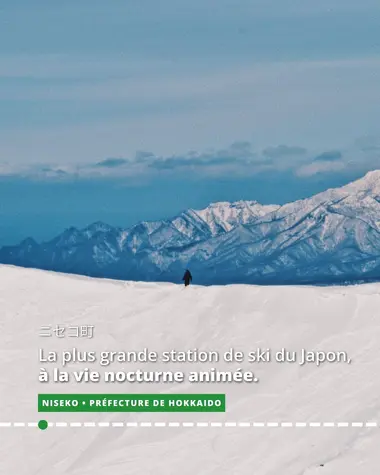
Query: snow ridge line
x=194 y=424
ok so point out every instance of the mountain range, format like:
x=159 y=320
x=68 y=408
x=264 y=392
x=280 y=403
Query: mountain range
x=333 y=236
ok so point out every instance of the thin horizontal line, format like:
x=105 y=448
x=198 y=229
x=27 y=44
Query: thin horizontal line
x=272 y=424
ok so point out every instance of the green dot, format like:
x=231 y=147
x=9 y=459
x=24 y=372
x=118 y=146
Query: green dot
x=43 y=425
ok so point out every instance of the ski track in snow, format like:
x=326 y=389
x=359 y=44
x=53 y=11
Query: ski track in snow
x=133 y=315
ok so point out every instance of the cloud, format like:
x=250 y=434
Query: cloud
x=54 y=172
x=113 y=108
x=111 y=163
x=330 y=161
x=368 y=143
x=142 y=156
x=37 y=171
x=238 y=159
x=356 y=159
x=283 y=151
x=319 y=167
x=173 y=163
x=331 y=156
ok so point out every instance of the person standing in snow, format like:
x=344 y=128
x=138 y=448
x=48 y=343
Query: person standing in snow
x=187 y=277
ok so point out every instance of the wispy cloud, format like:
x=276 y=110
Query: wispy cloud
x=37 y=171
x=103 y=79
x=237 y=155
x=240 y=158
x=108 y=108
x=330 y=156
x=111 y=163
x=368 y=143
x=284 y=151
x=361 y=156
x=319 y=167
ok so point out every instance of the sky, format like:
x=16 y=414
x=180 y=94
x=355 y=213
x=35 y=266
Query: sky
x=134 y=110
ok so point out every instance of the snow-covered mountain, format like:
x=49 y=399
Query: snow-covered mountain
x=338 y=403
x=332 y=236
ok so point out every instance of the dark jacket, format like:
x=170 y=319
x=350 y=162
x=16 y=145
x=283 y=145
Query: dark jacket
x=187 y=277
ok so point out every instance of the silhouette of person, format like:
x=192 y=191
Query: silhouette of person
x=187 y=277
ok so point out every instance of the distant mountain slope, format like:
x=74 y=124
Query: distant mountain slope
x=332 y=236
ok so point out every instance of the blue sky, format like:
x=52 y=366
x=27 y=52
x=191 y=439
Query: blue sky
x=130 y=110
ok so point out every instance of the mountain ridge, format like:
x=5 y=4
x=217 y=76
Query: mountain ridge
x=331 y=236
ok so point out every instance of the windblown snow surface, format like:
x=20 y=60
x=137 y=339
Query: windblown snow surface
x=131 y=316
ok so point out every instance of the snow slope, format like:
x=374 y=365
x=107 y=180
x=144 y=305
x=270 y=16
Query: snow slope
x=131 y=316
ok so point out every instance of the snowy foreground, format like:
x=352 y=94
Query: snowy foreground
x=132 y=316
